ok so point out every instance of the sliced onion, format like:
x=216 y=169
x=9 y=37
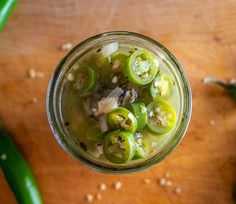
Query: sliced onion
x=116 y=92
x=87 y=107
x=126 y=98
x=103 y=123
x=96 y=150
x=107 y=104
x=99 y=149
x=109 y=49
x=94 y=153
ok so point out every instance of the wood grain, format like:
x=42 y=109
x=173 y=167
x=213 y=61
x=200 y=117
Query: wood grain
x=201 y=34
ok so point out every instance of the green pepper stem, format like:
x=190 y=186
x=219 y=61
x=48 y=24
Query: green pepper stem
x=231 y=88
x=207 y=80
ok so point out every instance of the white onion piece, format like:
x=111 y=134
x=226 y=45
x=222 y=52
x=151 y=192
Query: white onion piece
x=116 y=92
x=103 y=123
x=99 y=149
x=107 y=104
x=109 y=49
x=126 y=98
x=87 y=108
x=94 y=153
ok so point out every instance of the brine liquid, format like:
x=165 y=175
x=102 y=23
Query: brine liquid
x=82 y=128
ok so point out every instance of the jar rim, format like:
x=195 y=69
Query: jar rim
x=58 y=133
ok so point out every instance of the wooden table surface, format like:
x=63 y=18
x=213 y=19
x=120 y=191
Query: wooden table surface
x=201 y=34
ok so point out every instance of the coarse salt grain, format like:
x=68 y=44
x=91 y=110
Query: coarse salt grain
x=147 y=181
x=162 y=181
x=32 y=73
x=212 y=122
x=114 y=79
x=3 y=156
x=89 y=198
x=70 y=77
x=102 y=187
x=99 y=196
x=39 y=74
x=178 y=190
x=66 y=46
x=168 y=183
x=34 y=100
x=35 y=74
x=117 y=185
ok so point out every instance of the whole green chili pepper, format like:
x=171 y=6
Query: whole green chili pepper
x=17 y=171
x=6 y=7
x=230 y=87
x=234 y=192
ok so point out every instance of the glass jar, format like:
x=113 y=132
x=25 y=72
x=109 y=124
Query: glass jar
x=53 y=100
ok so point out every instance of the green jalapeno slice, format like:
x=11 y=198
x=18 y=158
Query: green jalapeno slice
x=86 y=81
x=140 y=68
x=119 y=146
x=161 y=86
x=121 y=118
x=161 y=117
x=140 y=112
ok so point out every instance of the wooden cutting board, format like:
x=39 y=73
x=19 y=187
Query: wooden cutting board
x=201 y=34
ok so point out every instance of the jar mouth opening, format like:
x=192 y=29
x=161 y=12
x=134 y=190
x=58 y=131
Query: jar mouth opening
x=52 y=109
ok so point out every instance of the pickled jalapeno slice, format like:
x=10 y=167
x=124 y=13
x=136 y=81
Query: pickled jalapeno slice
x=121 y=118
x=116 y=66
x=86 y=81
x=118 y=61
x=161 y=117
x=161 y=86
x=140 y=112
x=140 y=68
x=119 y=146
